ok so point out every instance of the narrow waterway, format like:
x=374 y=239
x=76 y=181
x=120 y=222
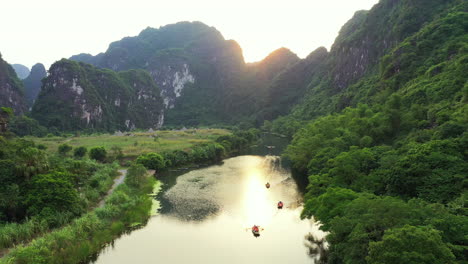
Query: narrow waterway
x=207 y=215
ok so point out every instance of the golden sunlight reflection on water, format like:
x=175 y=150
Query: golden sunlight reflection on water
x=234 y=198
x=258 y=208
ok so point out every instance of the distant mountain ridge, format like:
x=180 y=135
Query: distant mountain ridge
x=21 y=71
x=32 y=83
x=203 y=79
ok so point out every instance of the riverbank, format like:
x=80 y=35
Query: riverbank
x=128 y=207
x=125 y=207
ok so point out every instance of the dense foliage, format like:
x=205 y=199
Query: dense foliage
x=80 y=152
x=390 y=171
x=128 y=205
x=208 y=152
x=40 y=192
x=152 y=161
x=98 y=153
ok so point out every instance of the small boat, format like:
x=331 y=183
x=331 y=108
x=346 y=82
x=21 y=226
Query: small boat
x=267 y=185
x=280 y=205
x=256 y=231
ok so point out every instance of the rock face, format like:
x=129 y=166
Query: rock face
x=32 y=84
x=21 y=71
x=202 y=76
x=78 y=96
x=359 y=49
x=11 y=89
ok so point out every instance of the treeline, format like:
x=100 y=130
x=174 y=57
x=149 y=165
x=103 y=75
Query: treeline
x=372 y=175
x=208 y=152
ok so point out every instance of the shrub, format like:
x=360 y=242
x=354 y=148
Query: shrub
x=116 y=153
x=152 y=161
x=80 y=152
x=64 y=149
x=98 y=153
x=136 y=175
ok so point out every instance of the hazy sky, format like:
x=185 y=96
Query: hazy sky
x=48 y=30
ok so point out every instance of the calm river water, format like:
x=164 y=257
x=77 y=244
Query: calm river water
x=207 y=213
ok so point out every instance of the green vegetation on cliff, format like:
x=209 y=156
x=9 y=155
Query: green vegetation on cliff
x=391 y=169
x=11 y=88
x=78 y=96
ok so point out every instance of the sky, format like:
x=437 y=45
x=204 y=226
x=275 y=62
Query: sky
x=47 y=30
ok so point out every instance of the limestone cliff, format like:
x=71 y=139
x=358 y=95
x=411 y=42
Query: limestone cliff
x=79 y=96
x=11 y=88
x=358 y=50
x=192 y=63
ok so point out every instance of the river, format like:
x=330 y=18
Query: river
x=206 y=216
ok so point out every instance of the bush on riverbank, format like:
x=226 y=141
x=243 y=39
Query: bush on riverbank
x=152 y=161
x=207 y=152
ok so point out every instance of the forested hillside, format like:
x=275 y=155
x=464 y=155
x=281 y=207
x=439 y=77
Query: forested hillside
x=78 y=96
x=192 y=64
x=385 y=153
x=203 y=77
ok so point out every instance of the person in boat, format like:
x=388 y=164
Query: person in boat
x=267 y=185
x=256 y=231
x=280 y=205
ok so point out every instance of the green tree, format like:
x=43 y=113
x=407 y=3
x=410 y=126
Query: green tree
x=152 y=161
x=54 y=191
x=98 y=153
x=136 y=175
x=10 y=195
x=410 y=245
x=80 y=152
x=31 y=161
x=63 y=149
x=23 y=126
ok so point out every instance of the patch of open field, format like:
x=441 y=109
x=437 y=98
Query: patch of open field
x=136 y=143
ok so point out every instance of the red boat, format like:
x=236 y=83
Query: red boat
x=280 y=205
x=256 y=231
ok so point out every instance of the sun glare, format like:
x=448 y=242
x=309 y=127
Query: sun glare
x=258 y=206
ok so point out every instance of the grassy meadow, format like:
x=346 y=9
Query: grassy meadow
x=136 y=143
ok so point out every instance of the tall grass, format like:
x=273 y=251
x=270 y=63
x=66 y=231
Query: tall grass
x=16 y=233
x=88 y=234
